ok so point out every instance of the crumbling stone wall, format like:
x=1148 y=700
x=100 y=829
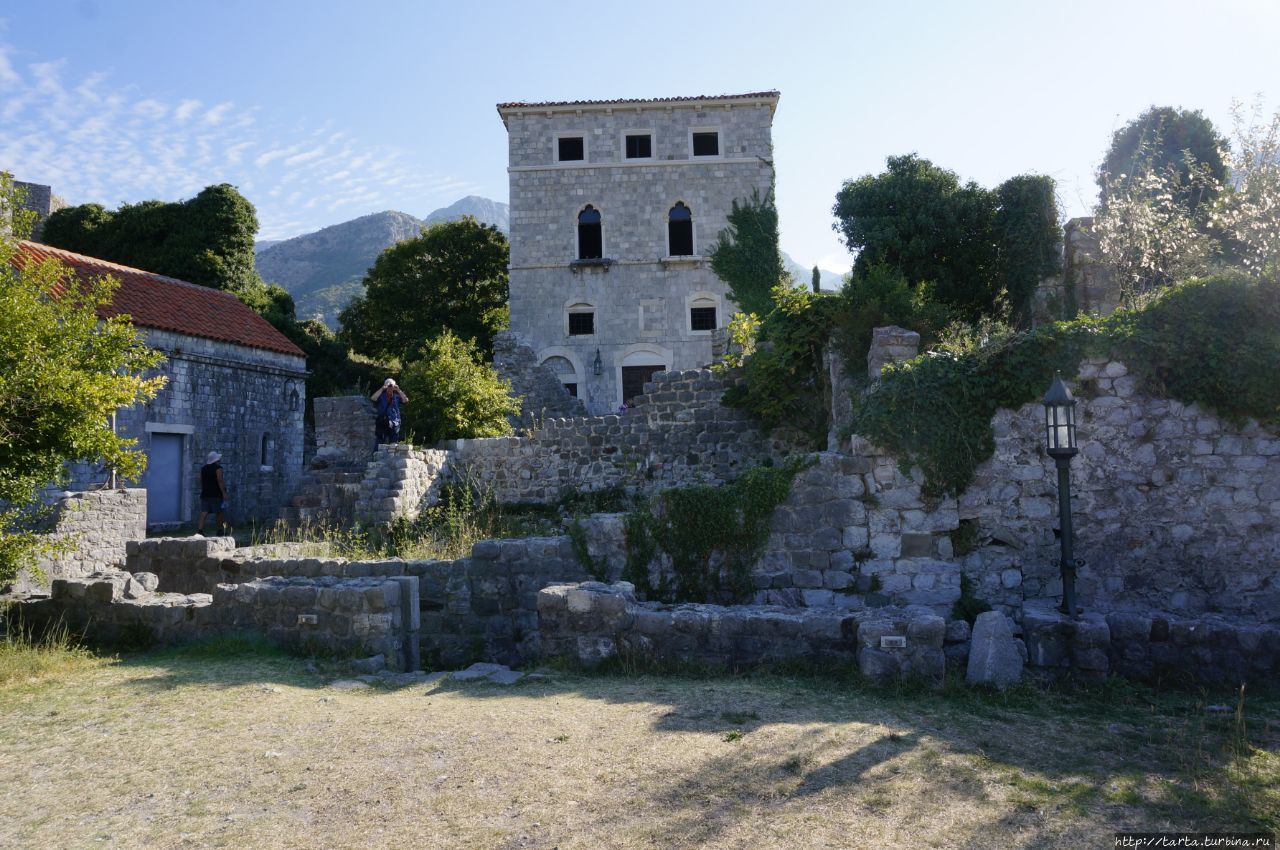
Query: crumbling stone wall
x=345 y=427
x=96 y=524
x=677 y=434
x=351 y=617
x=590 y=622
x=542 y=395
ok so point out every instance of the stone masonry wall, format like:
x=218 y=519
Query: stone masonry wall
x=345 y=616
x=678 y=433
x=640 y=300
x=345 y=426
x=400 y=481
x=542 y=393
x=1174 y=510
x=96 y=524
x=243 y=402
x=590 y=622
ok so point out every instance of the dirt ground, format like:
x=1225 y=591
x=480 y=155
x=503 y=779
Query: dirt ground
x=245 y=748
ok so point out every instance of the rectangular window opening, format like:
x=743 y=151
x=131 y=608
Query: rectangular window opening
x=571 y=149
x=706 y=144
x=702 y=318
x=582 y=324
x=571 y=389
x=640 y=146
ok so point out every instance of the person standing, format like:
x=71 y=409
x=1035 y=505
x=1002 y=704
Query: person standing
x=388 y=399
x=213 y=492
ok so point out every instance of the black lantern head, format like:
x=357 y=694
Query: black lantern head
x=1060 y=419
x=597 y=367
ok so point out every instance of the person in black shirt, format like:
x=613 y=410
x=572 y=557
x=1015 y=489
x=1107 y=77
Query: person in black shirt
x=213 y=492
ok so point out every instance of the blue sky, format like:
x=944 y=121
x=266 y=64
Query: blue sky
x=322 y=111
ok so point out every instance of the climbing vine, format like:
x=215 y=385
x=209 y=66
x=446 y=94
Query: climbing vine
x=1214 y=341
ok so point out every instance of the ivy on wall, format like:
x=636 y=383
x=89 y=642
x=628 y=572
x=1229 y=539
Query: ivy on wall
x=1213 y=341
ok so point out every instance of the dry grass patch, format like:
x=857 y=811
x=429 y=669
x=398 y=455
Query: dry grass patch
x=233 y=745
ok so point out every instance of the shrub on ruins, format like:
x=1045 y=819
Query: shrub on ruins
x=981 y=252
x=63 y=373
x=453 y=277
x=785 y=381
x=454 y=394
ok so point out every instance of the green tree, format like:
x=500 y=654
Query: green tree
x=451 y=277
x=919 y=219
x=746 y=255
x=978 y=251
x=816 y=280
x=207 y=239
x=1166 y=139
x=63 y=372
x=1028 y=240
x=454 y=394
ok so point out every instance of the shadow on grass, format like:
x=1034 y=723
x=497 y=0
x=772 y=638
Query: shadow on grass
x=1101 y=752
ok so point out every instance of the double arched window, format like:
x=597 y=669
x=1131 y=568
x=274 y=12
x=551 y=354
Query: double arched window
x=680 y=231
x=590 y=234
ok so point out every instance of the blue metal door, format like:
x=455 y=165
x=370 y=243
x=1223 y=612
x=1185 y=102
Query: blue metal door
x=164 y=479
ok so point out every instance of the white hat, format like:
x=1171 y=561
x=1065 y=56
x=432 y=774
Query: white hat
x=389 y=382
x=212 y=457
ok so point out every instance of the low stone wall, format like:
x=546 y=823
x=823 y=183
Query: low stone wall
x=483 y=607
x=348 y=617
x=1142 y=645
x=676 y=434
x=590 y=622
x=95 y=525
x=400 y=481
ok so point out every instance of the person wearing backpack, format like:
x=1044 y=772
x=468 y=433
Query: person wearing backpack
x=388 y=399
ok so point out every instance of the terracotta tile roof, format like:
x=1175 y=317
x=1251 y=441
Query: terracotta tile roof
x=165 y=303
x=755 y=95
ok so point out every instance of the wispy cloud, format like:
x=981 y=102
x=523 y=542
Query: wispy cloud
x=97 y=139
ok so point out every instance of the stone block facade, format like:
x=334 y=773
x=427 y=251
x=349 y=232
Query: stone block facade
x=399 y=481
x=345 y=426
x=245 y=403
x=638 y=288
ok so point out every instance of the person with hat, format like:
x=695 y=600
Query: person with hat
x=213 y=492
x=388 y=398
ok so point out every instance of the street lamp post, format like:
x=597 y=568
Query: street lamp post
x=1060 y=436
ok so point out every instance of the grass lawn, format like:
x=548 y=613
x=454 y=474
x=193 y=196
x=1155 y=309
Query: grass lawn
x=237 y=746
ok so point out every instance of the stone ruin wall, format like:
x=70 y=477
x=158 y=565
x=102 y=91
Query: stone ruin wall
x=95 y=525
x=542 y=395
x=677 y=434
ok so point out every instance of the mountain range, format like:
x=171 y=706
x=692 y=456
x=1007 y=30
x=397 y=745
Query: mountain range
x=324 y=270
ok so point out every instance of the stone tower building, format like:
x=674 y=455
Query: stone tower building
x=615 y=207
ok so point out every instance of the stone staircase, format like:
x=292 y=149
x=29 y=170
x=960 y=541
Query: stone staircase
x=327 y=492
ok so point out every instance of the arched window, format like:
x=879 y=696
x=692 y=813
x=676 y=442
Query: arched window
x=268 y=446
x=590 y=236
x=680 y=231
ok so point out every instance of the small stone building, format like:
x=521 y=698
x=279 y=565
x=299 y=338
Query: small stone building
x=236 y=386
x=615 y=207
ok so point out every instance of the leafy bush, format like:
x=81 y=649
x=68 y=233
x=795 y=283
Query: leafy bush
x=713 y=536
x=454 y=394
